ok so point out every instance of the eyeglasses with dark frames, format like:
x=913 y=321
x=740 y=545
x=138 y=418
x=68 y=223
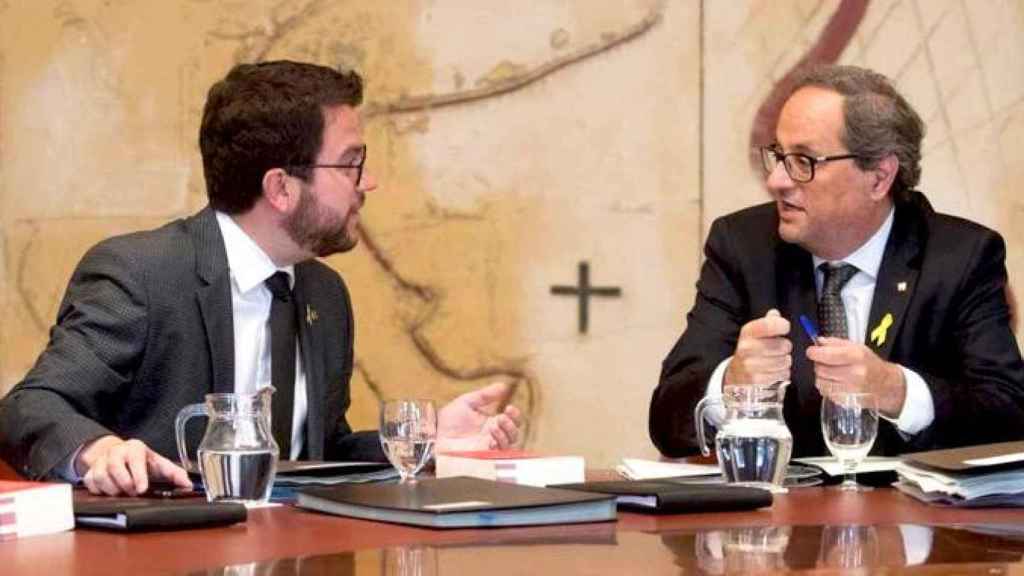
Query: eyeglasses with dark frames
x=357 y=165
x=800 y=167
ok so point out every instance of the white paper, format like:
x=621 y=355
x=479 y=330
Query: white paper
x=638 y=469
x=832 y=467
x=257 y=505
x=963 y=485
x=993 y=460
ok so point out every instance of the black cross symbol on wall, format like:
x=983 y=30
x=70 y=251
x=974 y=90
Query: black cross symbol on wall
x=584 y=291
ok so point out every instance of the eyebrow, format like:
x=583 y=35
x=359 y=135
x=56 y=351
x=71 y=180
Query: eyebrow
x=798 y=148
x=352 y=151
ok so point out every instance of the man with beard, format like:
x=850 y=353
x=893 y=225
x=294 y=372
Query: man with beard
x=153 y=321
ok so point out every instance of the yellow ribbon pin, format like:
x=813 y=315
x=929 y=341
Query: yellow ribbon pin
x=311 y=315
x=878 y=334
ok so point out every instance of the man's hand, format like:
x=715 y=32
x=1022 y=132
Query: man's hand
x=842 y=365
x=472 y=421
x=763 y=353
x=113 y=466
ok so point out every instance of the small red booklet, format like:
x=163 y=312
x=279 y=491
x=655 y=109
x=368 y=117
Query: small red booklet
x=515 y=466
x=493 y=454
x=30 y=508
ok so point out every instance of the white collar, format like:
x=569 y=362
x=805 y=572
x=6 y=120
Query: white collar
x=248 y=263
x=868 y=258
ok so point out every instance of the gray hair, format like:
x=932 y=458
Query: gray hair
x=877 y=120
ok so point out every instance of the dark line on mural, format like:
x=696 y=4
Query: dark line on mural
x=831 y=43
x=429 y=352
x=23 y=291
x=511 y=83
x=942 y=104
x=371 y=382
x=424 y=293
x=256 y=45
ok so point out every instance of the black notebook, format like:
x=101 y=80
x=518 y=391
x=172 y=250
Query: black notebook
x=294 y=473
x=672 y=498
x=459 y=502
x=982 y=458
x=131 y=514
x=322 y=468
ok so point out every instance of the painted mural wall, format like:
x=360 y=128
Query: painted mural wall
x=515 y=145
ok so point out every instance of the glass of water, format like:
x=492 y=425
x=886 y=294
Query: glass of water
x=408 y=429
x=849 y=546
x=849 y=422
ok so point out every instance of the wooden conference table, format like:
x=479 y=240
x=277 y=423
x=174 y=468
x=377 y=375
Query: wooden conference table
x=816 y=530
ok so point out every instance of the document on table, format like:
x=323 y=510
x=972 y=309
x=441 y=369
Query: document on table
x=638 y=469
x=832 y=467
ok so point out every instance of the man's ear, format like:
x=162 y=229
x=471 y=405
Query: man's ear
x=885 y=174
x=280 y=190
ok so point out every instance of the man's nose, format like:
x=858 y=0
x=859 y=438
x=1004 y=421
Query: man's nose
x=778 y=178
x=368 y=182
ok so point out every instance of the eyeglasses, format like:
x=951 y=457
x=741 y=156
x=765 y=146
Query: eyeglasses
x=800 y=167
x=357 y=166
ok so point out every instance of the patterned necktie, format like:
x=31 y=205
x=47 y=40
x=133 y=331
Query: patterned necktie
x=283 y=326
x=831 y=312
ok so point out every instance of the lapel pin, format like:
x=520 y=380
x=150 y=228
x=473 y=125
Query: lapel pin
x=901 y=287
x=878 y=334
x=311 y=315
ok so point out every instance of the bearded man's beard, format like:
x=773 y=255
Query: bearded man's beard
x=317 y=229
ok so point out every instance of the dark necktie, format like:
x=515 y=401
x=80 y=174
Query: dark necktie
x=831 y=312
x=282 y=360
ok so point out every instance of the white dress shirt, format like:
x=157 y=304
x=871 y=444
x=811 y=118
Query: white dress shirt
x=249 y=266
x=918 y=408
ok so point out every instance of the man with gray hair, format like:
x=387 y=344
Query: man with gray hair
x=911 y=303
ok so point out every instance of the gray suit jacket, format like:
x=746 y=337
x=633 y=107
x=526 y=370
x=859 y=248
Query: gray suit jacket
x=145 y=328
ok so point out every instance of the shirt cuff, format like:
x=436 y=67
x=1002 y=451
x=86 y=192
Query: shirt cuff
x=918 y=410
x=715 y=415
x=65 y=469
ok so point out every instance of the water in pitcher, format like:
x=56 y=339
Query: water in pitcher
x=237 y=475
x=754 y=450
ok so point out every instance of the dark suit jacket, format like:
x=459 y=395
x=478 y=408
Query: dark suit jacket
x=145 y=328
x=951 y=327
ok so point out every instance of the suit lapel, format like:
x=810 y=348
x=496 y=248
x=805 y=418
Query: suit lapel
x=897 y=280
x=214 y=297
x=311 y=345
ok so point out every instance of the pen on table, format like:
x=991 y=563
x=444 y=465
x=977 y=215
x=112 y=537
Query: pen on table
x=809 y=328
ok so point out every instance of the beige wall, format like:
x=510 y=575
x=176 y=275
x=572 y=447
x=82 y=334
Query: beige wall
x=511 y=141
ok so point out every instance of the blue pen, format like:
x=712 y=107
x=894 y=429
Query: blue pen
x=809 y=328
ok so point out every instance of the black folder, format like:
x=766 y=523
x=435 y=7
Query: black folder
x=459 y=502
x=978 y=459
x=135 y=514
x=668 y=497
x=322 y=468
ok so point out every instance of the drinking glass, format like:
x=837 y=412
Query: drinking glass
x=408 y=429
x=415 y=560
x=849 y=547
x=849 y=422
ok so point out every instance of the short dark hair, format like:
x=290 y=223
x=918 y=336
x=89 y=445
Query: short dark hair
x=263 y=116
x=877 y=120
